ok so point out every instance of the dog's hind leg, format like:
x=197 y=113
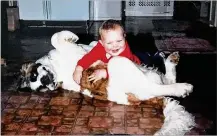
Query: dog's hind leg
x=170 y=65
x=127 y=77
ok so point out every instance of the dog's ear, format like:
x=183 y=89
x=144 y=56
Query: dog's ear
x=26 y=67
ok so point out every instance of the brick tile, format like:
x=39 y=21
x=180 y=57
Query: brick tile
x=44 y=100
x=27 y=106
x=71 y=108
x=87 y=101
x=75 y=101
x=150 y=123
x=70 y=114
x=7 y=118
x=8 y=133
x=60 y=133
x=133 y=108
x=12 y=126
x=34 y=98
x=29 y=127
x=44 y=133
x=81 y=121
x=135 y=131
x=50 y=120
x=83 y=114
x=4 y=98
x=3 y=105
x=101 y=114
x=117 y=108
x=117 y=130
x=87 y=108
x=9 y=111
x=102 y=109
x=150 y=131
x=146 y=105
x=55 y=112
x=80 y=130
x=133 y=115
x=132 y=123
x=117 y=114
x=45 y=129
x=32 y=119
x=19 y=119
x=63 y=128
x=59 y=101
x=36 y=113
x=68 y=121
x=12 y=105
x=100 y=122
x=149 y=112
x=118 y=122
x=18 y=99
x=26 y=133
x=23 y=112
x=98 y=131
x=99 y=103
x=74 y=95
x=40 y=106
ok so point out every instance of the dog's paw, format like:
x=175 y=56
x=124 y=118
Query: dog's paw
x=183 y=89
x=173 y=58
x=87 y=92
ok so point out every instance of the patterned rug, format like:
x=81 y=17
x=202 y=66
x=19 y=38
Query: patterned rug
x=184 y=44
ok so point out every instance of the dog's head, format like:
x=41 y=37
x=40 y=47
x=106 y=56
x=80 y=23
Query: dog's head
x=37 y=76
x=64 y=37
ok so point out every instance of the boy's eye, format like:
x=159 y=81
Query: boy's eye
x=119 y=40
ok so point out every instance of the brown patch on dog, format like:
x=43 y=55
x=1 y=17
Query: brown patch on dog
x=156 y=102
x=174 y=57
x=132 y=99
x=98 y=89
x=26 y=69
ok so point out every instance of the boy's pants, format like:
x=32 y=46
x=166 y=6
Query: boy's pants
x=151 y=60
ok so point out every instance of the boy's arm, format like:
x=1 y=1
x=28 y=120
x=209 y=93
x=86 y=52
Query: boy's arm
x=90 y=57
x=135 y=59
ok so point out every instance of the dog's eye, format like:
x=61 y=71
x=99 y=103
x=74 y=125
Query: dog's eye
x=44 y=68
x=34 y=75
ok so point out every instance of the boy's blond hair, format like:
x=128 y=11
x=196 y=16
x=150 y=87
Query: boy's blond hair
x=110 y=25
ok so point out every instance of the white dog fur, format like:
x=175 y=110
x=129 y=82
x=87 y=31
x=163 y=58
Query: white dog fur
x=124 y=75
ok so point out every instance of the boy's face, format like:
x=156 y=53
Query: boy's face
x=113 y=41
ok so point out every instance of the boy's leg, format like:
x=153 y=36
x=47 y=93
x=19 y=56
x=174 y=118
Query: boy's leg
x=145 y=57
x=158 y=61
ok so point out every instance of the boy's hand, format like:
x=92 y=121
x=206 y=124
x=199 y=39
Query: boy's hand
x=77 y=74
x=97 y=75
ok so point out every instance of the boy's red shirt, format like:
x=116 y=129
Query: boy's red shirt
x=99 y=53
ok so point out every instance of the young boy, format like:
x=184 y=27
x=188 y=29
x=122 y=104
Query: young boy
x=112 y=43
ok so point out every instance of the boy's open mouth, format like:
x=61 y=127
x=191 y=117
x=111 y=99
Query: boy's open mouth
x=115 y=51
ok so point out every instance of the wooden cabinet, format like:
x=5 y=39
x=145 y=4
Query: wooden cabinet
x=55 y=10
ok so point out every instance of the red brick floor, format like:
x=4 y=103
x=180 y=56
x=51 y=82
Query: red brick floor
x=64 y=113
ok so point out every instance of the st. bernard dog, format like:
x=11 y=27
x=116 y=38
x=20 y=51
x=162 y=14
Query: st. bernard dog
x=56 y=69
